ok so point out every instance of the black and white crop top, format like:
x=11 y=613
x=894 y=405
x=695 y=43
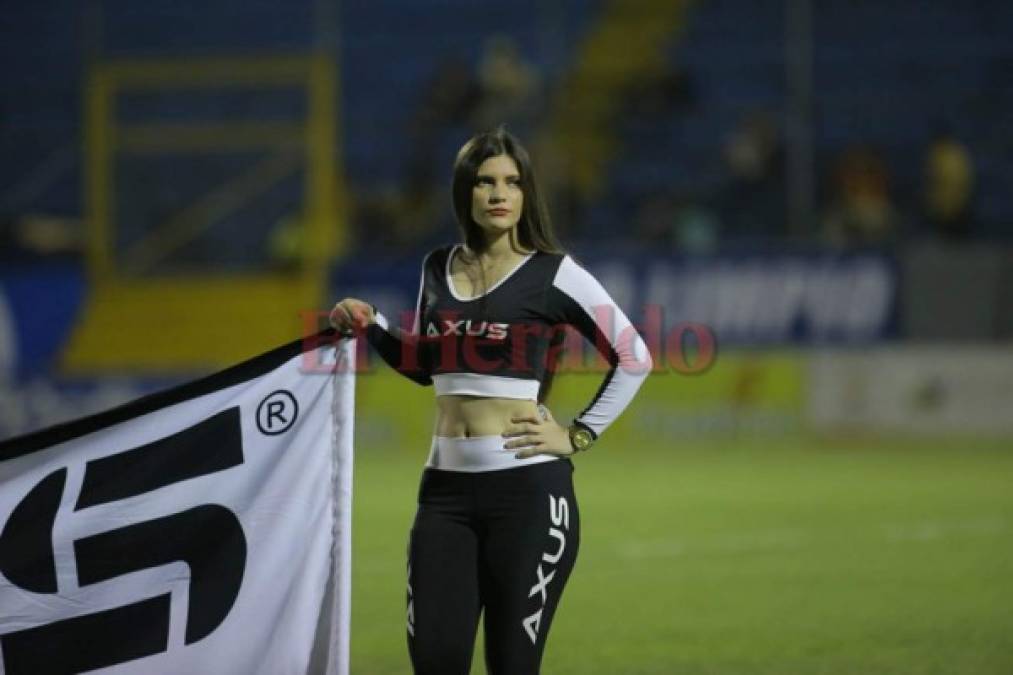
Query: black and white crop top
x=497 y=344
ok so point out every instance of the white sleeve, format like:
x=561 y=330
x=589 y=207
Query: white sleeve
x=577 y=298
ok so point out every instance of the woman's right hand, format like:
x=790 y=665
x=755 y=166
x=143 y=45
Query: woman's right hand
x=350 y=314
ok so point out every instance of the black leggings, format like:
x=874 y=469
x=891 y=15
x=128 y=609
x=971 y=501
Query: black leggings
x=499 y=541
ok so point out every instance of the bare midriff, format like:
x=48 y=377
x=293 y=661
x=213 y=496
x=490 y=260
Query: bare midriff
x=459 y=416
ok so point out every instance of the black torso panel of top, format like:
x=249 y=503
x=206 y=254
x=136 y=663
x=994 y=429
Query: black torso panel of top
x=503 y=332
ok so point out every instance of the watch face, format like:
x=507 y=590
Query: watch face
x=582 y=439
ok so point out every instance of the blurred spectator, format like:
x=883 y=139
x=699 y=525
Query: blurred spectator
x=661 y=95
x=655 y=218
x=676 y=223
x=285 y=244
x=509 y=87
x=861 y=211
x=752 y=200
x=389 y=222
x=40 y=235
x=503 y=90
x=948 y=187
x=450 y=101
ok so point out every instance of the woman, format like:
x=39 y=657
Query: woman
x=497 y=526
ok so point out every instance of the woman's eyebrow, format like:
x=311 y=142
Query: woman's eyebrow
x=487 y=176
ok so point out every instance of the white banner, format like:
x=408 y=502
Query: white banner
x=201 y=530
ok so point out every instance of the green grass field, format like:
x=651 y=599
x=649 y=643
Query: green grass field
x=746 y=558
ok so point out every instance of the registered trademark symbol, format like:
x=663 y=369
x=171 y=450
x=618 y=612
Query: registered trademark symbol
x=277 y=413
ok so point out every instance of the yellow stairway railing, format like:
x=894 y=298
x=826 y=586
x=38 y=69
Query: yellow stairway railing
x=137 y=319
x=626 y=44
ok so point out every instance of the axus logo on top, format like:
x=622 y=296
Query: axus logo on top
x=467 y=327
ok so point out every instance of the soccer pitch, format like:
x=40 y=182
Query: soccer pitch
x=745 y=557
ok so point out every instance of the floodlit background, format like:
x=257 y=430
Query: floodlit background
x=825 y=184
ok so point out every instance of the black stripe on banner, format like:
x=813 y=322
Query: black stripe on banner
x=243 y=372
x=88 y=642
x=26 y=543
x=213 y=445
x=208 y=538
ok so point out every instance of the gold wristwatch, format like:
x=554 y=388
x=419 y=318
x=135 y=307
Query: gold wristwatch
x=581 y=438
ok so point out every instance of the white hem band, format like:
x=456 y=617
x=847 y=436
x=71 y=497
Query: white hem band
x=476 y=384
x=474 y=454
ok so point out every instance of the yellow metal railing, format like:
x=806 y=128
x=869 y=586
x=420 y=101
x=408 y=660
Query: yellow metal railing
x=627 y=43
x=136 y=320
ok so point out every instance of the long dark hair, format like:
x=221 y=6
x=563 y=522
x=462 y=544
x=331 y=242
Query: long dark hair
x=534 y=230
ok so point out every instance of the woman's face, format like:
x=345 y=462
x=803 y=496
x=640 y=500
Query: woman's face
x=497 y=199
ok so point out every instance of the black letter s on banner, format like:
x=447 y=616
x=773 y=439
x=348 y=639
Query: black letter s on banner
x=208 y=537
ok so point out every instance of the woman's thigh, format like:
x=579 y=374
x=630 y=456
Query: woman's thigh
x=532 y=533
x=443 y=593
